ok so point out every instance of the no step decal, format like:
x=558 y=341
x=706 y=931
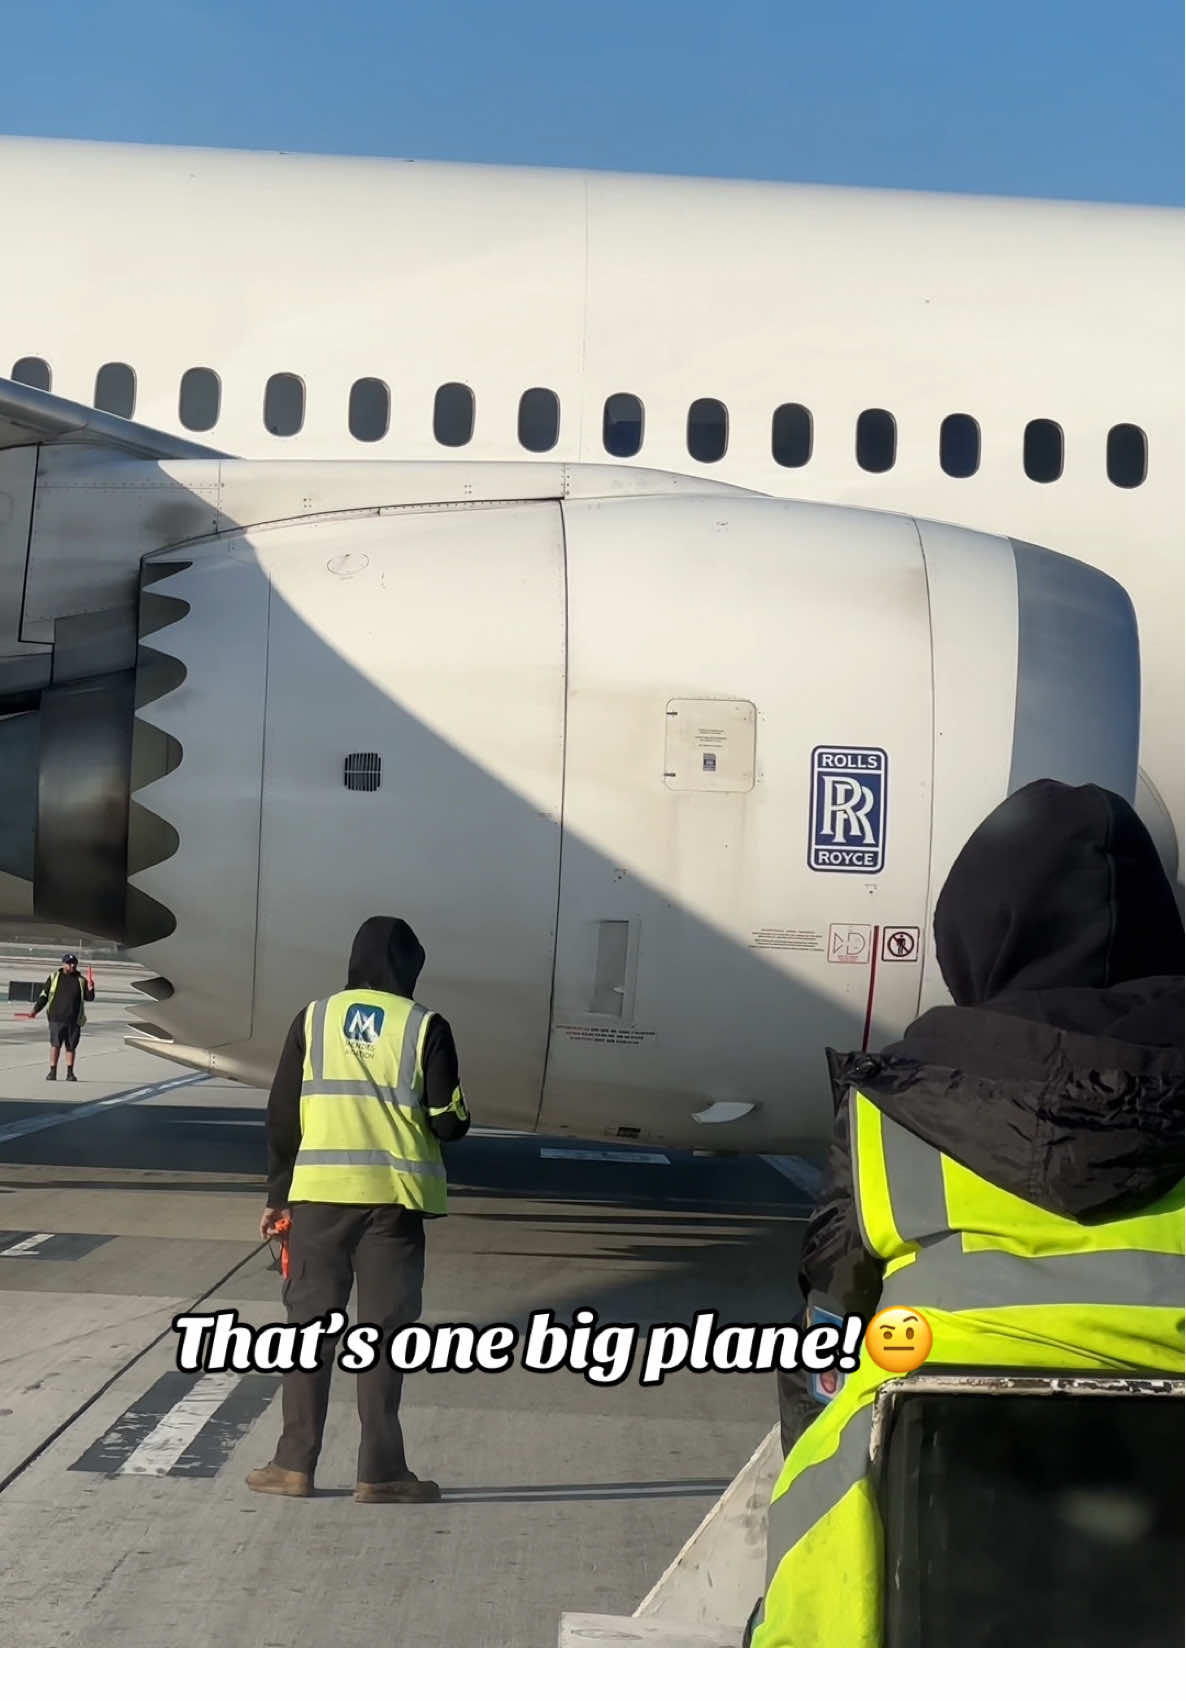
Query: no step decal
x=900 y=945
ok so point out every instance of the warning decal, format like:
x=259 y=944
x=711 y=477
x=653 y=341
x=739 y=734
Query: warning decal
x=607 y=1036
x=787 y=939
x=900 y=945
x=849 y=941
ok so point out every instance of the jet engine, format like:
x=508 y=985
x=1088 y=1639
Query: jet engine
x=665 y=775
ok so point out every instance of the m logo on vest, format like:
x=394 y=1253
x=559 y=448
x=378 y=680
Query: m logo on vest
x=363 y=1025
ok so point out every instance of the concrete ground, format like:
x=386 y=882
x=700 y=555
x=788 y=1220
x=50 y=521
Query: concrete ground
x=132 y=1196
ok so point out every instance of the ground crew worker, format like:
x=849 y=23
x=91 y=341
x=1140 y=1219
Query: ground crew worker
x=64 y=998
x=366 y=1089
x=1012 y=1168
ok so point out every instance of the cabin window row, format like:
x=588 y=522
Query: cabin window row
x=623 y=423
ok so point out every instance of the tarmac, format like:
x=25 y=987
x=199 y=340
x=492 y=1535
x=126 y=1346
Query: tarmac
x=134 y=1196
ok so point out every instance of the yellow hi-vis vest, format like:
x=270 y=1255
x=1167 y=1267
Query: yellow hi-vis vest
x=365 y=1135
x=1001 y=1283
x=53 y=987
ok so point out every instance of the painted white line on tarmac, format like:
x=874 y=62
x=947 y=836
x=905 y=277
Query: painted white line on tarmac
x=215 y=1121
x=163 y=1446
x=805 y=1175
x=606 y=1157
x=55 y=1119
x=24 y=1248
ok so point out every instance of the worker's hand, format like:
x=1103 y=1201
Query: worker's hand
x=267 y=1222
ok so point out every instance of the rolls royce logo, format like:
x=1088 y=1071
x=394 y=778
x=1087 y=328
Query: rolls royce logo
x=848 y=809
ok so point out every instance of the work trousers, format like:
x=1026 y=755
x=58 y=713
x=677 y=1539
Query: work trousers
x=330 y=1247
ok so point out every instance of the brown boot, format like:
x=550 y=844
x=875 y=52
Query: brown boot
x=274 y=1479
x=409 y=1491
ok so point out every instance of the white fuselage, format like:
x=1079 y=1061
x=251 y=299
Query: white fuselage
x=590 y=284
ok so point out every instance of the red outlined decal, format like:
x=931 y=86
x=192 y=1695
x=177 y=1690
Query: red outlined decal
x=849 y=941
x=901 y=944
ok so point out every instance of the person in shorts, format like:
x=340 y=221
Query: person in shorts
x=64 y=998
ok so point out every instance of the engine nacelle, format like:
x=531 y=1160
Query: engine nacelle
x=666 y=776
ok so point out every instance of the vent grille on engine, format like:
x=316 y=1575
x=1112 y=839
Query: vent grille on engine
x=364 y=771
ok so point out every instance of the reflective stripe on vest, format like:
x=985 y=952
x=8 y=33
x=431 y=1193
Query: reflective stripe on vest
x=952 y=1240
x=53 y=987
x=365 y=1134
x=817 y=1488
x=365 y=1155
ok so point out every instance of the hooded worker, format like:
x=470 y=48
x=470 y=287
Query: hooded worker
x=366 y=1090
x=1012 y=1168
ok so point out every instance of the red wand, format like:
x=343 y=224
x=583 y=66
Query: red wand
x=280 y=1230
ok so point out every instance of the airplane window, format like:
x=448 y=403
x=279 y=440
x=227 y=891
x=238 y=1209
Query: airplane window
x=200 y=399
x=370 y=409
x=284 y=404
x=115 y=389
x=790 y=435
x=877 y=440
x=453 y=415
x=1043 y=451
x=33 y=372
x=708 y=429
x=959 y=445
x=621 y=425
x=539 y=420
x=1128 y=456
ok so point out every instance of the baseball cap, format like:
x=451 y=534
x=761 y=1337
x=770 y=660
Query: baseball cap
x=69 y=957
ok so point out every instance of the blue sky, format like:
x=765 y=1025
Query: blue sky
x=1048 y=97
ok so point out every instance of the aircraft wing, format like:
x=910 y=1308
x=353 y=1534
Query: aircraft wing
x=29 y=418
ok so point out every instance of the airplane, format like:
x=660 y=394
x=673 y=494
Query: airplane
x=364 y=549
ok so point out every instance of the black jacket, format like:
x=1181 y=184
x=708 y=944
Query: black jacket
x=386 y=957
x=72 y=991
x=1058 y=1076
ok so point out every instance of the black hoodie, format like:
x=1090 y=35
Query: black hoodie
x=1058 y=1076
x=386 y=957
